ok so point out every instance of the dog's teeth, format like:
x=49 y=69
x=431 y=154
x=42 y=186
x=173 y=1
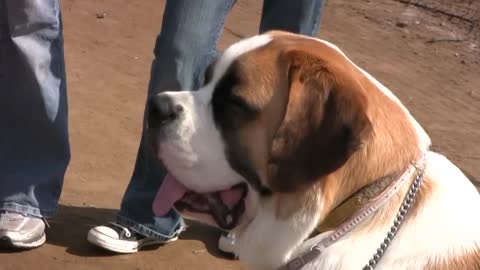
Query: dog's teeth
x=229 y=219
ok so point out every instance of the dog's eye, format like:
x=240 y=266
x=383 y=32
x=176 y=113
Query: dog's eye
x=232 y=104
x=238 y=102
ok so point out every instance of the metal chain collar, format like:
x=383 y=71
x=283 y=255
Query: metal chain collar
x=402 y=212
x=375 y=204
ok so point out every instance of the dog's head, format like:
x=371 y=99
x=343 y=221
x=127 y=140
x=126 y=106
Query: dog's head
x=277 y=117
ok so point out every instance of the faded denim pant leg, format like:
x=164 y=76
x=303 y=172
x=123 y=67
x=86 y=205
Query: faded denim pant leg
x=185 y=46
x=34 y=146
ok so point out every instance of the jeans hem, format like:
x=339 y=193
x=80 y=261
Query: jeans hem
x=145 y=231
x=27 y=210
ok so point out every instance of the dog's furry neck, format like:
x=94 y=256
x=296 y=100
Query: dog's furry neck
x=437 y=233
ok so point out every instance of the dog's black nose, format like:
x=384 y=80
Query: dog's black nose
x=162 y=111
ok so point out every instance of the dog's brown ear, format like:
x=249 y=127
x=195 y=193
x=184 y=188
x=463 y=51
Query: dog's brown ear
x=325 y=122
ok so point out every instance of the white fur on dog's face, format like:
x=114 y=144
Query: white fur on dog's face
x=192 y=148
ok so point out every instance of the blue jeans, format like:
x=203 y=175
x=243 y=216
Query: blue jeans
x=186 y=44
x=34 y=146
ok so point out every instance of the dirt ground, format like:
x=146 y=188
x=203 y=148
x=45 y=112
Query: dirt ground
x=108 y=61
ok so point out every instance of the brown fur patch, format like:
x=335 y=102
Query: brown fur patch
x=467 y=260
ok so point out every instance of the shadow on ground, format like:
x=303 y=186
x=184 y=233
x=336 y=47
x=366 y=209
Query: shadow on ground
x=70 y=227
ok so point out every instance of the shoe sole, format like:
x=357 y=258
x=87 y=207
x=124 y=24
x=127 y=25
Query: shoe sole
x=121 y=246
x=7 y=243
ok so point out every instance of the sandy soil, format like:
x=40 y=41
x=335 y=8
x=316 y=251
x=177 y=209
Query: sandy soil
x=108 y=61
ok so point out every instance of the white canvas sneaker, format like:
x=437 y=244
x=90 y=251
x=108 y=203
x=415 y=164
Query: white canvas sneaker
x=117 y=238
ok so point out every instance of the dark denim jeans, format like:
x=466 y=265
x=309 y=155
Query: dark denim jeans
x=34 y=149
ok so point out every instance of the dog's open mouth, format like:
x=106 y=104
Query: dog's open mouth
x=225 y=206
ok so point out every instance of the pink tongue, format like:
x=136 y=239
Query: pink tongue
x=231 y=197
x=169 y=193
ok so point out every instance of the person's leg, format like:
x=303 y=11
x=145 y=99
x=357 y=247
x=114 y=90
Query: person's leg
x=185 y=46
x=34 y=147
x=298 y=16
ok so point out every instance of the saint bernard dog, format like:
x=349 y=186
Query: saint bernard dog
x=312 y=164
